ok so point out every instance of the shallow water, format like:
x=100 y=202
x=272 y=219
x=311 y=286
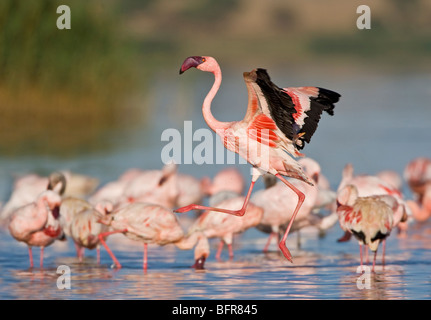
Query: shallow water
x=382 y=122
x=322 y=269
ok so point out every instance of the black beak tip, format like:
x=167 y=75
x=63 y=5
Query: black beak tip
x=199 y=263
x=181 y=71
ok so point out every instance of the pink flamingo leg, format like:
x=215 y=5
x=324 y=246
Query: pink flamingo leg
x=383 y=253
x=41 y=257
x=367 y=257
x=145 y=261
x=30 y=255
x=98 y=254
x=219 y=250
x=268 y=242
x=102 y=241
x=229 y=246
x=374 y=260
x=360 y=253
x=301 y=198
x=78 y=253
x=239 y=212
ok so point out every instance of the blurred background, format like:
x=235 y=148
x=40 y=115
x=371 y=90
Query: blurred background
x=96 y=98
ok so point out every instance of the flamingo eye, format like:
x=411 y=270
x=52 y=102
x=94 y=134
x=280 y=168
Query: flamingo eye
x=203 y=59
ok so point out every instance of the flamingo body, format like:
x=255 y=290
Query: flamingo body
x=37 y=224
x=278 y=122
x=85 y=229
x=368 y=185
x=218 y=225
x=370 y=219
x=143 y=222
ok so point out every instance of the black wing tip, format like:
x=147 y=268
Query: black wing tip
x=262 y=75
x=329 y=95
x=327 y=98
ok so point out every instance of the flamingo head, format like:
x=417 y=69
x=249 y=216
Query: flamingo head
x=347 y=196
x=203 y=63
x=52 y=202
x=202 y=251
x=311 y=168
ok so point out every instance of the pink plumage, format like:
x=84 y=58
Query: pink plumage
x=268 y=137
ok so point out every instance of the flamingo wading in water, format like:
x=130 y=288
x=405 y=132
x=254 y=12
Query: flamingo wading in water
x=276 y=126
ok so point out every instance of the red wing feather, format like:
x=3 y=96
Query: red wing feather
x=261 y=130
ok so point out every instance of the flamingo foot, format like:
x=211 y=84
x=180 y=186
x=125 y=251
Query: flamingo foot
x=285 y=251
x=102 y=241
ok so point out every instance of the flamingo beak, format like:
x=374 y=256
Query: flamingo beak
x=56 y=211
x=190 y=62
x=199 y=263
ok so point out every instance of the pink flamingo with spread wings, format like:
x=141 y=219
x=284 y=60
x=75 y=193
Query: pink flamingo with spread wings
x=276 y=126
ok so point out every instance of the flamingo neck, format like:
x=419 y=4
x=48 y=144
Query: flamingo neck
x=212 y=122
x=188 y=242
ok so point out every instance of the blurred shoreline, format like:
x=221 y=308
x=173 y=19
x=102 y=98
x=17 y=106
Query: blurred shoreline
x=62 y=91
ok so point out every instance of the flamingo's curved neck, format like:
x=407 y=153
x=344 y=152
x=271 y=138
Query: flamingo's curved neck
x=212 y=122
x=188 y=242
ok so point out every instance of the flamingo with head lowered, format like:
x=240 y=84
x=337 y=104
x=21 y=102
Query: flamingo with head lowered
x=276 y=126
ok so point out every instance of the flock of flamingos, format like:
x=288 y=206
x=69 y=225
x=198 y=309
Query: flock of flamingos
x=145 y=205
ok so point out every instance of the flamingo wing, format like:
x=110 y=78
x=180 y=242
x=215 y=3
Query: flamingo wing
x=295 y=111
x=260 y=126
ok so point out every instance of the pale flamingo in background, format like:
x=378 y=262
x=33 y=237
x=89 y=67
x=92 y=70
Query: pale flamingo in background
x=85 y=228
x=391 y=177
x=326 y=197
x=152 y=186
x=227 y=179
x=370 y=219
x=277 y=124
x=190 y=190
x=79 y=185
x=368 y=185
x=28 y=187
x=395 y=180
x=70 y=213
x=278 y=202
x=217 y=225
x=37 y=224
x=418 y=174
x=228 y=183
x=422 y=211
x=69 y=208
x=113 y=191
x=144 y=222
